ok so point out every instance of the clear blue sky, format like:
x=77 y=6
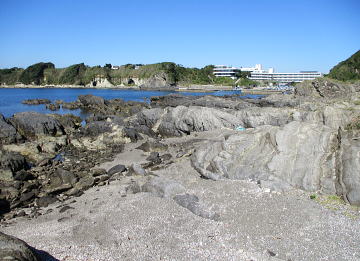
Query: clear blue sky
x=286 y=34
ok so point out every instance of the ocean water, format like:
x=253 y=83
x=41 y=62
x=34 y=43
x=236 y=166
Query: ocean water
x=10 y=99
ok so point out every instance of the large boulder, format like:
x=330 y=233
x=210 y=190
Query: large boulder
x=8 y=133
x=184 y=120
x=10 y=163
x=324 y=88
x=33 y=124
x=91 y=100
x=12 y=248
x=309 y=156
x=158 y=81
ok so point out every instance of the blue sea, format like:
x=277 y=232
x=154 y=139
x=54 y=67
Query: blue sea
x=10 y=99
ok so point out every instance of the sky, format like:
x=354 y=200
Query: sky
x=288 y=35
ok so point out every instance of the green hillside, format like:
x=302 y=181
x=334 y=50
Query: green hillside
x=81 y=74
x=348 y=69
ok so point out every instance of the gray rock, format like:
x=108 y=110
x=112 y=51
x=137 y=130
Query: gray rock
x=91 y=100
x=184 y=120
x=8 y=133
x=12 y=248
x=61 y=180
x=10 y=163
x=299 y=154
x=33 y=124
x=96 y=128
x=154 y=158
x=45 y=201
x=36 y=101
x=324 y=88
x=349 y=176
x=192 y=203
x=116 y=169
x=136 y=169
x=151 y=146
x=158 y=81
x=148 y=117
x=71 y=105
x=98 y=172
x=163 y=187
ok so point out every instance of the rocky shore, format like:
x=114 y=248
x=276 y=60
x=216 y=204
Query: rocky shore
x=185 y=178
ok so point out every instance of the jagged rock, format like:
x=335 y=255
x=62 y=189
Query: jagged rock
x=158 y=81
x=61 y=180
x=174 y=100
x=304 y=155
x=324 y=88
x=148 y=117
x=184 y=120
x=33 y=124
x=8 y=133
x=12 y=248
x=96 y=128
x=36 y=101
x=69 y=121
x=254 y=117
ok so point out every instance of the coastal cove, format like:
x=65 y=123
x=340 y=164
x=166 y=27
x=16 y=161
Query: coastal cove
x=11 y=98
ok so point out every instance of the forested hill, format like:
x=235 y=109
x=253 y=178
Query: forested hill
x=348 y=69
x=81 y=74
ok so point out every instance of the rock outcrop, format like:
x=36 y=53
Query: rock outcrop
x=158 y=81
x=12 y=248
x=183 y=120
x=33 y=124
x=8 y=133
x=325 y=88
x=36 y=101
x=309 y=156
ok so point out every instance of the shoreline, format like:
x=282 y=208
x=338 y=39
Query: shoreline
x=191 y=88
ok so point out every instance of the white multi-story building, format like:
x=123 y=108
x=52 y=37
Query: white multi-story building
x=259 y=74
x=225 y=71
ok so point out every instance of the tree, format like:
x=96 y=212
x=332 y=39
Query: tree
x=108 y=65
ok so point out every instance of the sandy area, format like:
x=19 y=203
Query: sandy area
x=254 y=224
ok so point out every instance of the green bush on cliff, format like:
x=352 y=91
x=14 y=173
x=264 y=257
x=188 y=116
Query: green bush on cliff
x=73 y=74
x=10 y=76
x=348 y=69
x=34 y=74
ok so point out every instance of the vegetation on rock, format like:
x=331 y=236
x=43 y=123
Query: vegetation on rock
x=81 y=74
x=34 y=74
x=348 y=69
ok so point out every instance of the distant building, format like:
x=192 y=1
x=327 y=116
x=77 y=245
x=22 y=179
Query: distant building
x=225 y=71
x=259 y=74
x=115 y=67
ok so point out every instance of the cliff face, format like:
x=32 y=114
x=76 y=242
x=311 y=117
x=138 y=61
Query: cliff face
x=348 y=69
